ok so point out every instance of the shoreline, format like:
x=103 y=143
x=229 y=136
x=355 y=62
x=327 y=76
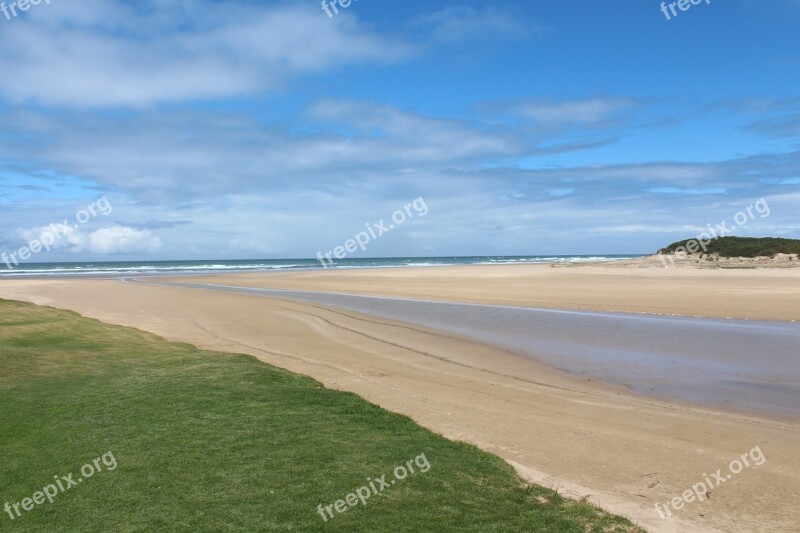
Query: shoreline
x=243 y=266
x=648 y=262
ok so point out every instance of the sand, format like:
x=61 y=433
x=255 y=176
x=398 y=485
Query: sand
x=582 y=437
x=710 y=262
x=637 y=286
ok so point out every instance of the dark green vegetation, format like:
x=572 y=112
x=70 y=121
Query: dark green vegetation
x=741 y=246
x=209 y=441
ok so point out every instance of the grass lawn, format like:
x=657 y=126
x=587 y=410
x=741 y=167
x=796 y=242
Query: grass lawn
x=207 y=441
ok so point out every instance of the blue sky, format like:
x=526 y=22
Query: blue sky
x=267 y=129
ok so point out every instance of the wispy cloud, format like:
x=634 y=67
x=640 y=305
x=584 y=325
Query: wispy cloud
x=114 y=53
x=458 y=24
x=589 y=111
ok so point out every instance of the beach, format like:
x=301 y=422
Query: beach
x=276 y=257
x=638 y=286
x=584 y=436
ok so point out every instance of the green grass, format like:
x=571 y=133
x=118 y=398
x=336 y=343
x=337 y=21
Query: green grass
x=742 y=246
x=208 y=441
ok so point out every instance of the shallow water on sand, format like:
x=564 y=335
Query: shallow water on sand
x=750 y=365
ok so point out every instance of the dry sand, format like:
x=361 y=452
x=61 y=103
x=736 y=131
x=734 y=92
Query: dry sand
x=581 y=437
x=640 y=286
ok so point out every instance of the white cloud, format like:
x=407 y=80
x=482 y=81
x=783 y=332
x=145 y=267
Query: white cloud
x=114 y=53
x=204 y=152
x=56 y=236
x=585 y=111
x=123 y=240
x=115 y=240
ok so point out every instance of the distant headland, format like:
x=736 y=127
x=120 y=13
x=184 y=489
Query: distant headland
x=749 y=247
x=733 y=252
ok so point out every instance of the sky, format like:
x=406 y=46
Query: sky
x=257 y=129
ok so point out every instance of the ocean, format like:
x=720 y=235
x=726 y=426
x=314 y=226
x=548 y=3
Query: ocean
x=143 y=268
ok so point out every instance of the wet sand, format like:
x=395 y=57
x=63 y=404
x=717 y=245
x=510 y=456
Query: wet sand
x=583 y=437
x=735 y=364
x=762 y=294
